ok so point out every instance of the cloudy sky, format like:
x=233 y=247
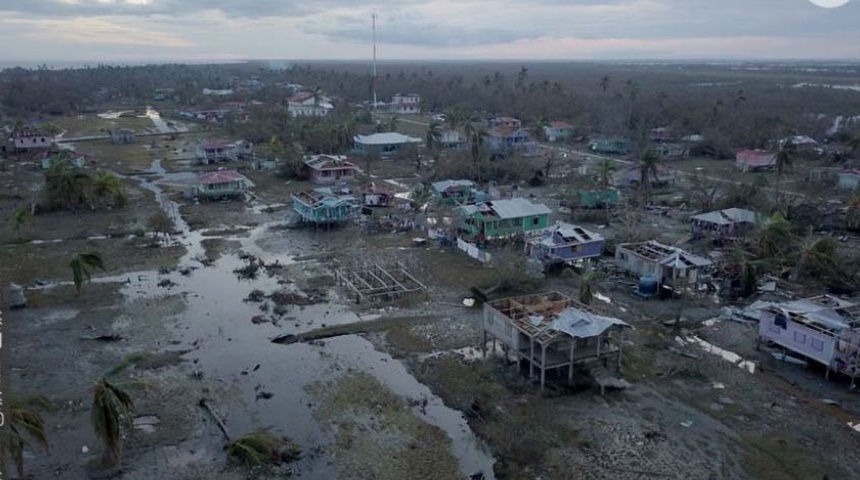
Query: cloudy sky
x=129 y=30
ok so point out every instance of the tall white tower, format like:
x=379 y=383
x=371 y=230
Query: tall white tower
x=374 y=61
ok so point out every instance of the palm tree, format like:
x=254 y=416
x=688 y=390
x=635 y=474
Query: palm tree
x=82 y=265
x=262 y=448
x=586 y=289
x=392 y=123
x=649 y=163
x=784 y=157
x=604 y=83
x=775 y=238
x=111 y=412
x=66 y=184
x=108 y=185
x=22 y=217
x=854 y=144
x=606 y=169
x=475 y=137
x=433 y=138
x=632 y=93
x=24 y=427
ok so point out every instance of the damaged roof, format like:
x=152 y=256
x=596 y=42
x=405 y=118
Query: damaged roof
x=665 y=255
x=581 y=324
x=727 y=216
x=220 y=176
x=505 y=209
x=444 y=185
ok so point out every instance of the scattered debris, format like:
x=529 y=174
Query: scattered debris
x=258 y=319
x=469 y=302
x=784 y=357
x=146 y=423
x=256 y=295
x=265 y=395
x=283 y=297
x=687 y=424
x=166 y=283
x=107 y=337
x=731 y=357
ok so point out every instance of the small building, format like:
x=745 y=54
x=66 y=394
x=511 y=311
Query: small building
x=661 y=135
x=724 y=224
x=214 y=151
x=505 y=122
x=322 y=206
x=611 y=145
x=452 y=140
x=823 y=329
x=563 y=243
x=122 y=136
x=632 y=177
x=161 y=94
x=755 y=160
x=221 y=184
x=308 y=104
x=672 y=151
x=670 y=266
x=52 y=157
x=848 y=180
x=28 y=139
x=599 y=198
x=504 y=139
x=501 y=219
x=553 y=332
x=383 y=144
x=556 y=131
x=374 y=194
x=330 y=169
x=406 y=103
x=455 y=192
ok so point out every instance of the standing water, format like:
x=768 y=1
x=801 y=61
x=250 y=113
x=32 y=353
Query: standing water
x=231 y=349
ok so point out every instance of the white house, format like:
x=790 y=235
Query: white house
x=29 y=139
x=406 y=103
x=305 y=104
x=556 y=131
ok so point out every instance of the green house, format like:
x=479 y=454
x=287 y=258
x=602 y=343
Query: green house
x=501 y=219
x=607 y=197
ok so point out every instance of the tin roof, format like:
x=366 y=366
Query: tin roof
x=386 y=138
x=326 y=162
x=444 y=185
x=512 y=208
x=581 y=324
x=727 y=216
x=220 y=176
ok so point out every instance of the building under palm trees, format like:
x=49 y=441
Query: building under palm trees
x=383 y=144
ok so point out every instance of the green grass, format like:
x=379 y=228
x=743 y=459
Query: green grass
x=84 y=126
x=778 y=457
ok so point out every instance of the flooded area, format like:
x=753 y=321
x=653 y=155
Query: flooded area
x=273 y=380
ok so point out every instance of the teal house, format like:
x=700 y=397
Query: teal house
x=611 y=145
x=324 y=207
x=501 y=219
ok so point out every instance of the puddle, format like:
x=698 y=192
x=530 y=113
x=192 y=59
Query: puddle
x=146 y=423
x=731 y=357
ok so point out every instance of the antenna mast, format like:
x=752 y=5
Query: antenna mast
x=374 y=60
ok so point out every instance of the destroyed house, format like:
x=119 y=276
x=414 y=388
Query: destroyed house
x=454 y=192
x=330 y=169
x=563 y=243
x=755 y=160
x=671 y=266
x=551 y=331
x=728 y=223
x=824 y=329
x=501 y=219
x=601 y=198
x=323 y=207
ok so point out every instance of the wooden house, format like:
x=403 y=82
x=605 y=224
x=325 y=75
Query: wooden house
x=557 y=131
x=503 y=140
x=724 y=224
x=848 y=180
x=670 y=266
x=501 y=219
x=823 y=329
x=632 y=176
x=221 y=184
x=375 y=194
x=563 y=243
x=454 y=192
x=755 y=160
x=611 y=145
x=330 y=169
x=28 y=139
x=552 y=332
x=324 y=207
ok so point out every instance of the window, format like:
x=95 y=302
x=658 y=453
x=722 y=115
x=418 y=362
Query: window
x=816 y=344
x=781 y=321
x=536 y=221
x=799 y=337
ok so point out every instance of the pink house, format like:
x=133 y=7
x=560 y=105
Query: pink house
x=752 y=160
x=330 y=169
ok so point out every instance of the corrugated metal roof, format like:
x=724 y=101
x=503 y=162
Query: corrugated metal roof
x=444 y=185
x=220 y=176
x=386 y=138
x=518 y=207
x=581 y=324
x=728 y=216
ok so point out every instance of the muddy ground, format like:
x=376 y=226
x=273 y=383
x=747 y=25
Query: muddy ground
x=380 y=391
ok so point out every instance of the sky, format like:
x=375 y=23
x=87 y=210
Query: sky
x=202 y=30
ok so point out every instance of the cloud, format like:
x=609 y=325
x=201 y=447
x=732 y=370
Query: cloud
x=97 y=30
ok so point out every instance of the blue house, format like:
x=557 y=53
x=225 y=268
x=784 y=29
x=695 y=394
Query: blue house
x=324 y=207
x=563 y=243
x=507 y=139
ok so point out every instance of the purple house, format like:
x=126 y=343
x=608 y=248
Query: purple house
x=824 y=329
x=563 y=243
